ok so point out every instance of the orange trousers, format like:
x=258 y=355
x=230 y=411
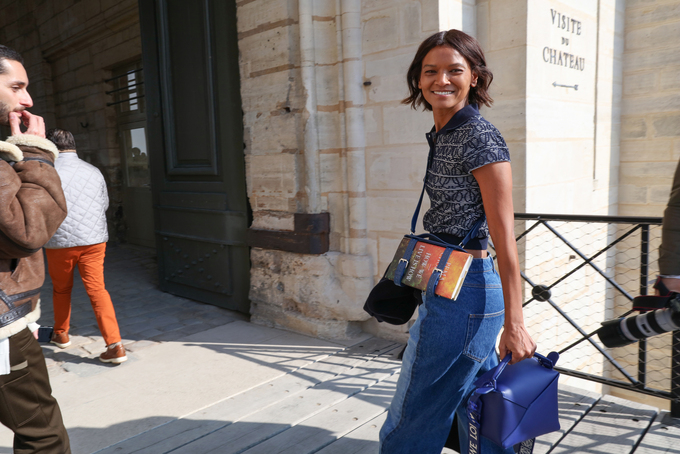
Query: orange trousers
x=90 y=261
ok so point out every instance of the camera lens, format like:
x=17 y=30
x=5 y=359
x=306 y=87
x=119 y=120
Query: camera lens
x=624 y=331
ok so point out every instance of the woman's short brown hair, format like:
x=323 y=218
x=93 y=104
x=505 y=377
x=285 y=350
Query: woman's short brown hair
x=469 y=48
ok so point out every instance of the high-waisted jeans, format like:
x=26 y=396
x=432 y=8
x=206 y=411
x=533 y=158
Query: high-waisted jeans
x=450 y=344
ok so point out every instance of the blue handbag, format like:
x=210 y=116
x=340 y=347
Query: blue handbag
x=513 y=404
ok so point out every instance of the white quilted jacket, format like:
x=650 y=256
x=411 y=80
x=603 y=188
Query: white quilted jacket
x=87 y=200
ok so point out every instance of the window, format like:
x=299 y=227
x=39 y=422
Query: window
x=127 y=96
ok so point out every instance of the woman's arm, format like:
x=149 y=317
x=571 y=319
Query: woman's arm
x=495 y=183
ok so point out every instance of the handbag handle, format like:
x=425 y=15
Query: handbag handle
x=547 y=362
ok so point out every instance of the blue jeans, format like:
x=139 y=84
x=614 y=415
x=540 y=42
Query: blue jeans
x=450 y=344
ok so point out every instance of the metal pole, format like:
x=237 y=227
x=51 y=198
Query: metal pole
x=644 y=271
x=675 y=376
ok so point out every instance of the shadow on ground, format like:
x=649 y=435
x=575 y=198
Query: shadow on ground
x=204 y=436
x=145 y=314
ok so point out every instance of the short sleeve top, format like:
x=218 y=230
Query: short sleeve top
x=466 y=143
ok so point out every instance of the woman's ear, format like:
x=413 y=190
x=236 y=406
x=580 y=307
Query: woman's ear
x=473 y=82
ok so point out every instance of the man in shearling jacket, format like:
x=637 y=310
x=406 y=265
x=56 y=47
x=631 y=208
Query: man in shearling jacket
x=32 y=206
x=81 y=241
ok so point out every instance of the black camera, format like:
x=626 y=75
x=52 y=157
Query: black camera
x=625 y=331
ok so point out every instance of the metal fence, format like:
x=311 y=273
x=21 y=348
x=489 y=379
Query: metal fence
x=580 y=271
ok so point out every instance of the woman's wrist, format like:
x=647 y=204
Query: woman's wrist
x=513 y=317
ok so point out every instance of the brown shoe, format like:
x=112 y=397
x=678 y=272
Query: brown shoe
x=61 y=340
x=114 y=354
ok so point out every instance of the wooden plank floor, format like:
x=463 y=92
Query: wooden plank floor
x=337 y=405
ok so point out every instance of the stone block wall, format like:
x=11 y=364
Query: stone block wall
x=302 y=153
x=70 y=49
x=371 y=148
x=552 y=137
x=502 y=33
x=562 y=56
x=650 y=117
x=396 y=148
x=649 y=144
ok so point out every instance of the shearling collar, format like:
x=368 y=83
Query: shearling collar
x=29 y=140
x=11 y=153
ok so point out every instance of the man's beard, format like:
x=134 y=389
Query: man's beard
x=4 y=113
x=5 y=109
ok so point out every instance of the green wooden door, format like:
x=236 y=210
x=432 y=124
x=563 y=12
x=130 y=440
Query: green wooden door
x=195 y=139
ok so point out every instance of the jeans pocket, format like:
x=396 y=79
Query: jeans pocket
x=482 y=331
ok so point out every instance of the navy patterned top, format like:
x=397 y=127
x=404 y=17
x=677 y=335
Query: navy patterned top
x=466 y=143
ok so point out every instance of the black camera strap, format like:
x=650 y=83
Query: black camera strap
x=644 y=303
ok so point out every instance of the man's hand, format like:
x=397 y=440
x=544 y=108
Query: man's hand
x=671 y=284
x=35 y=125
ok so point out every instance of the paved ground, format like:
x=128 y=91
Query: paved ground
x=183 y=356
x=146 y=315
x=203 y=380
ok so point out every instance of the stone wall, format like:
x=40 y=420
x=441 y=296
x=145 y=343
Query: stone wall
x=396 y=148
x=69 y=49
x=563 y=161
x=371 y=148
x=650 y=142
x=502 y=33
x=649 y=150
x=304 y=141
x=556 y=68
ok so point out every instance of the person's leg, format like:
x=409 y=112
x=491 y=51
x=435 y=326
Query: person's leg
x=27 y=406
x=91 y=266
x=448 y=345
x=61 y=264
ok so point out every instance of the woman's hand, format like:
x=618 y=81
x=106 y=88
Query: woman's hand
x=515 y=339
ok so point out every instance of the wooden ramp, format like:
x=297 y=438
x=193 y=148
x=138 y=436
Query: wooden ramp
x=337 y=405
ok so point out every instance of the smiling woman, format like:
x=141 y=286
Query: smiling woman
x=468 y=179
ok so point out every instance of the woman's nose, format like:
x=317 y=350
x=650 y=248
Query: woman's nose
x=442 y=78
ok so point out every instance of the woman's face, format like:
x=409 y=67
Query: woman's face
x=445 y=80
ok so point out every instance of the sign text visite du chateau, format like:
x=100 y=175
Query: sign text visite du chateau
x=572 y=27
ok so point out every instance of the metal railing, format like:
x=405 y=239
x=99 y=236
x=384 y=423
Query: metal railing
x=580 y=271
